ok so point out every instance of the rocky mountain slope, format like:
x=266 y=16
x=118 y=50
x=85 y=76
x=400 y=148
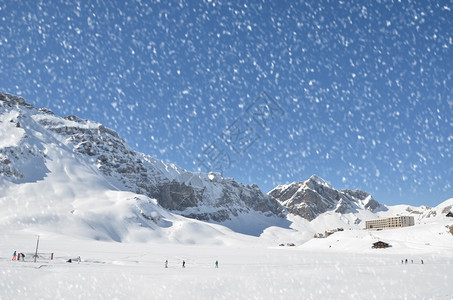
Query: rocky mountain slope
x=30 y=131
x=317 y=201
x=315 y=196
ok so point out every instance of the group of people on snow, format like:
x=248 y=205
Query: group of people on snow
x=405 y=261
x=18 y=256
x=184 y=263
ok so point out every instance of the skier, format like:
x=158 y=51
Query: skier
x=14 y=255
x=183 y=264
x=166 y=263
x=422 y=261
x=21 y=255
x=216 y=264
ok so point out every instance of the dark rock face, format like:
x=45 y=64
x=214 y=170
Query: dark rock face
x=315 y=196
x=233 y=199
x=177 y=196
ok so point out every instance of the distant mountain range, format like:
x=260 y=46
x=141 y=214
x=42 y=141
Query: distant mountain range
x=28 y=134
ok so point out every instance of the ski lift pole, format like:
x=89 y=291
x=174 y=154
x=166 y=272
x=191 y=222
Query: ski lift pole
x=36 y=252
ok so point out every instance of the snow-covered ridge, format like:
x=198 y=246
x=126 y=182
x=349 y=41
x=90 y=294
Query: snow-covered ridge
x=315 y=179
x=31 y=132
x=421 y=214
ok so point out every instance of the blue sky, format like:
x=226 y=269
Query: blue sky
x=358 y=93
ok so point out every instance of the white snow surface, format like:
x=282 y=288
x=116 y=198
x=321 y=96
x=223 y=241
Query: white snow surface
x=342 y=266
x=9 y=133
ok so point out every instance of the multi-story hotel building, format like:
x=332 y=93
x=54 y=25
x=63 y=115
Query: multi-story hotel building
x=392 y=222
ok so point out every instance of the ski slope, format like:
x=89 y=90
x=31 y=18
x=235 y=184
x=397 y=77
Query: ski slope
x=248 y=269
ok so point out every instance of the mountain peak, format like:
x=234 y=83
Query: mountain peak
x=318 y=180
x=315 y=196
x=13 y=100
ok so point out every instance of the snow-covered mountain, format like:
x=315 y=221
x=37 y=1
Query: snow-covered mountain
x=317 y=201
x=315 y=206
x=315 y=196
x=28 y=135
x=422 y=214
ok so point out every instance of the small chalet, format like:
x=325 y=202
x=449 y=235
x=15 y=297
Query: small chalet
x=380 y=244
x=450 y=214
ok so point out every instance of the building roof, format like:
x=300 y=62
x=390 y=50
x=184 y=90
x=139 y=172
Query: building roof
x=380 y=243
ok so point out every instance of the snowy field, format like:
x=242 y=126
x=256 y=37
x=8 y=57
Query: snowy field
x=111 y=270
